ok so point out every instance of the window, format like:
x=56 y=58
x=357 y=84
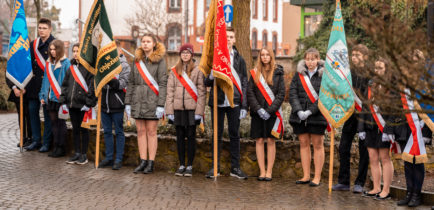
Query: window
x=274 y=43
x=174 y=37
x=311 y=24
x=264 y=39
x=254 y=40
x=255 y=8
x=265 y=9
x=275 y=2
x=174 y=6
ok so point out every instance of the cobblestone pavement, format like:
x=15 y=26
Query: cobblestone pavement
x=31 y=180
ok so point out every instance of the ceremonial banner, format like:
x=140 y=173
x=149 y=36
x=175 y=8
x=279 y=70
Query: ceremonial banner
x=336 y=99
x=19 y=65
x=215 y=54
x=98 y=52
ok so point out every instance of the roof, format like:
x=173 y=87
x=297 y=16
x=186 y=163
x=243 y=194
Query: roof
x=306 y=2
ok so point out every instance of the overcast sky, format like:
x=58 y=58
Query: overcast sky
x=68 y=13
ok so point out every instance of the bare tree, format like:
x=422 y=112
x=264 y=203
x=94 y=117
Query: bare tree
x=242 y=29
x=152 y=17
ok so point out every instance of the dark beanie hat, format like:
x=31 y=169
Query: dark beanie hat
x=188 y=47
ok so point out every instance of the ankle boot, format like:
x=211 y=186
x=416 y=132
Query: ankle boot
x=416 y=200
x=407 y=199
x=149 y=168
x=141 y=166
x=54 y=151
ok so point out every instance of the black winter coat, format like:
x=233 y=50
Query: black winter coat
x=34 y=86
x=299 y=99
x=257 y=100
x=240 y=66
x=12 y=97
x=366 y=121
x=73 y=95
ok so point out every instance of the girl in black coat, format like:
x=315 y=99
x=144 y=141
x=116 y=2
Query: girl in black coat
x=306 y=119
x=263 y=113
x=79 y=101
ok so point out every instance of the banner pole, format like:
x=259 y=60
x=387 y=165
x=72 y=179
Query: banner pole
x=215 y=128
x=98 y=128
x=332 y=148
x=21 y=121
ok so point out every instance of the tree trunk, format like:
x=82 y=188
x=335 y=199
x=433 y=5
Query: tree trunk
x=38 y=9
x=241 y=25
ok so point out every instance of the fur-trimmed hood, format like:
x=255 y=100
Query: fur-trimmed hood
x=301 y=66
x=155 y=56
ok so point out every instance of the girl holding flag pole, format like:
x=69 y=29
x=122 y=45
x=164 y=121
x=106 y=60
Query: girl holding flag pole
x=49 y=95
x=78 y=95
x=306 y=119
x=185 y=105
x=146 y=97
x=265 y=93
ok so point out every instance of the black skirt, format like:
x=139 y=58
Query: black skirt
x=260 y=128
x=374 y=139
x=301 y=128
x=52 y=106
x=184 y=118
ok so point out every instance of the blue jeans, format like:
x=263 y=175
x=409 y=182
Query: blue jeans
x=48 y=133
x=35 y=121
x=108 y=119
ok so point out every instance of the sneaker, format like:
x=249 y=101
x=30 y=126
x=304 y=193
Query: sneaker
x=105 y=163
x=236 y=172
x=82 y=159
x=117 y=165
x=33 y=146
x=44 y=148
x=74 y=158
x=188 y=171
x=357 y=189
x=180 y=171
x=341 y=187
x=210 y=174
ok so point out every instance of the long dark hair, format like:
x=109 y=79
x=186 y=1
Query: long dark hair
x=60 y=50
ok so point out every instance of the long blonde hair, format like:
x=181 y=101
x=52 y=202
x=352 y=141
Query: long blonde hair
x=266 y=70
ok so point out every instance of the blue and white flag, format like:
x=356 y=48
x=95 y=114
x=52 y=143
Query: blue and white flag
x=19 y=65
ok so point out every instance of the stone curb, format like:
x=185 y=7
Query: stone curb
x=400 y=192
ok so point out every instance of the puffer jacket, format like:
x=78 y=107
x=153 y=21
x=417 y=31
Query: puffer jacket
x=140 y=96
x=113 y=94
x=179 y=99
x=257 y=100
x=73 y=95
x=240 y=66
x=59 y=70
x=299 y=99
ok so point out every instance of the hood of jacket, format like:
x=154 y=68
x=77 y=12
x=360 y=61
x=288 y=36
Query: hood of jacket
x=58 y=63
x=301 y=66
x=155 y=56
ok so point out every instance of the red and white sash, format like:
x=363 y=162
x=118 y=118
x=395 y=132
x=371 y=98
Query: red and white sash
x=311 y=93
x=237 y=82
x=358 y=102
x=78 y=77
x=38 y=56
x=52 y=80
x=147 y=77
x=89 y=118
x=187 y=83
x=269 y=97
x=415 y=146
x=379 y=120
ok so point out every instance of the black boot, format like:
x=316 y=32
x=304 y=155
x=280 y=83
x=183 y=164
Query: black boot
x=60 y=152
x=149 y=168
x=141 y=166
x=407 y=199
x=53 y=152
x=416 y=200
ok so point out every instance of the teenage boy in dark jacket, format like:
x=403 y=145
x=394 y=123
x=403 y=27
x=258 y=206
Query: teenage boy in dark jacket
x=112 y=112
x=78 y=95
x=360 y=67
x=39 y=55
x=235 y=114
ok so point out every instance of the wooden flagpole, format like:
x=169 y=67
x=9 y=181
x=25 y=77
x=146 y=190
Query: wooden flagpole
x=215 y=128
x=21 y=121
x=332 y=148
x=98 y=128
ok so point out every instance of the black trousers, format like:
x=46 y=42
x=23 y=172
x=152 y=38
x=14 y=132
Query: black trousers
x=348 y=133
x=414 y=176
x=233 y=115
x=181 y=133
x=80 y=144
x=27 y=129
x=58 y=126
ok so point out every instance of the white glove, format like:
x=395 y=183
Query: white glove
x=85 y=108
x=391 y=137
x=171 y=117
x=65 y=109
x=243 y=114
x=128 y=110
x=303 y=115
x=160 y=112
x=362 y=136
x=197 y=117
x=385 y=137
x=426 y=140
x=211 y=76
x=263 y=114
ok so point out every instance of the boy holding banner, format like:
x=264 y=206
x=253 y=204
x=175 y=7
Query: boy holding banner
x=39 y=55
